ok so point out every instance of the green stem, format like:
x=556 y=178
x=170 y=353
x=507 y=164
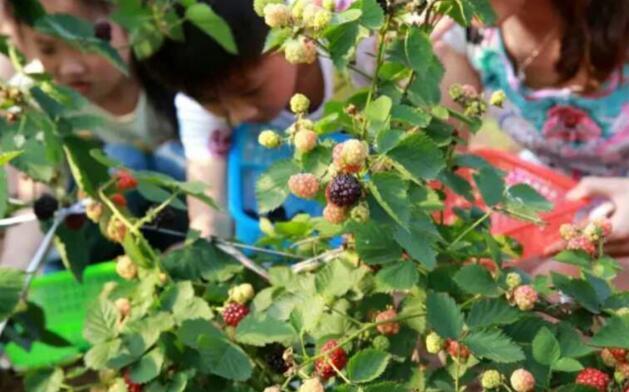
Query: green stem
x=379 y=61
x=152 y=214
x=469 y=229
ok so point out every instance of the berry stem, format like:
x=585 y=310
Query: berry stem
x=478 y=222
x=153 y=212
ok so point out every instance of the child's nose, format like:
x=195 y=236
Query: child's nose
x=71 y=67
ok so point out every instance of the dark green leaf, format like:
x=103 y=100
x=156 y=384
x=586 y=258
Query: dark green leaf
x=397 y=277
x=272 y=189
x=375 y=244
x=567 y=365
x=574 y=257
x=11 y=284
x=100 y=323
x=223 y=358
x=494 y=345
x=613 y=334
x=87 y=171
x=149 y=366
x=419 y=156
x=546 y=349
x=527 y=195
x=580 y=290
x=475 y=279
x=488 y=312
x=444 y=315
x=44 y=380
x=202 y=16
x=372 y=13
x=259 y=331
x=71 y=246
x=391 y=193
x=491 y=185
x=367 y=365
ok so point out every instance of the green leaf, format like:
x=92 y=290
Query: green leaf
x=581 y=290
x=191 y=331
x=491 y=186
x=419 y=156
x=149 y=366
x=411 y=115
x=567 y=365
x=87 y=171
x=379 y=111
x=342 y=39
x=367 y=365
x=372 y=13
x=336 y=279
x=71 y=247
x=221 y=357
x=79 y=34
x=490 y=312
x=201 y=259
x=272 y=188
x=181 y=301
x=100 y=323
x=574 y=257
x=475 y=279
x=397 y=277
x=420 y=240
x=11 y=284
x=494 y=345
x=212 y=24
x=44 y=380
x=571 y=342
x=256 y=330
x=318 y=160
x=375 y=244
x=527 y=195
x=444 y=315
x=98 y=355
x=546 y=349
x=613 y=334
x=8 y=156
x=391 y=193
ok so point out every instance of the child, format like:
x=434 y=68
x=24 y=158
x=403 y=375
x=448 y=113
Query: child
x=139 y=127
x=221 y=90
x=563 y=66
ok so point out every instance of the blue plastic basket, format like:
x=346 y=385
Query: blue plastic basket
x=247 y=161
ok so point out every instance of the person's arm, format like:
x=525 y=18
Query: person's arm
x=205 y=138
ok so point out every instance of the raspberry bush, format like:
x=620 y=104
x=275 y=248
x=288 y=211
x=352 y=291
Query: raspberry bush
x=379 y=293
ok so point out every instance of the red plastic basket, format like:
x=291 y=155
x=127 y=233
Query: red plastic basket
x=550 y=184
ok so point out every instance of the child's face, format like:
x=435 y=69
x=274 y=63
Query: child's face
x=256 y=94
x=90 y=74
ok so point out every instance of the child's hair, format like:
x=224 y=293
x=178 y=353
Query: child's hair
x=596 y=35
x=162 y=99
x=199 y=62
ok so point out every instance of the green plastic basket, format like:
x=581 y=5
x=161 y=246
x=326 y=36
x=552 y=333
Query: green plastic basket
x=65 y=302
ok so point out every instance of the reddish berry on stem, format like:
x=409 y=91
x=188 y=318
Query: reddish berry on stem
x=593 y=378
x=522 y=380
x=457 y=350
x=304 y=185
x=234 y=313
x=335 y=357
x=334 y=214
x=125 y=181
x=391 y=328
x=119 y=200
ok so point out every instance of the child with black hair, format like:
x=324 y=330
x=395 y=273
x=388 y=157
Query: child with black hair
x=139 y=126
x=221 y=90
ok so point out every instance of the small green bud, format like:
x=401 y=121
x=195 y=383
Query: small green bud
x=513 y=280
x=360 y=213
x=491 y=379
x=299 y=103
x=498 y=98
x=269 y=139
x=381 y=343
x=434 y=343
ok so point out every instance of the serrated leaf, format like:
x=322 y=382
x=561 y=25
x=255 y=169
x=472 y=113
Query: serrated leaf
x=202 y=16
x=578 y=258
x=613 y=334
x=11 y=283
x=494 y=345
x=272 y=188
x=491 y=185
x=335 y=279
x=87 y=171
x=546 y=349
x=444 y=315
x=397 y=277
x=567 y=365
x=100 y=323
x=490 y=312
x=475 y=279
x=44 y=380
x=98 y=356
x=148 y=367
x=420 y=240
x=391 y=193
x=223 y=358
x=372 y=15
x=367 y=365
x=256 y=330
x=571 y=342
x=581 y=290
x=419 y=155
x=375 y=244
x=528 y=196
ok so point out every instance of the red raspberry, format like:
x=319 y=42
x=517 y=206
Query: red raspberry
x=75 y=221
x=334 y=214
x=388 y=329
x=335 y=357
x=125 y=181
x=620 y=354
x=131 y=386
x=304 y=185
x=234 y=313
x=457 y=350
x=119 y=200
x=593 y=378
x=525 y=297
x=522 y=381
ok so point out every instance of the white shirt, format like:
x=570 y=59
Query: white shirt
x=204 y=134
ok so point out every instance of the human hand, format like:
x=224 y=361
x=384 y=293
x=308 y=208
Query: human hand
x=616 y=190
